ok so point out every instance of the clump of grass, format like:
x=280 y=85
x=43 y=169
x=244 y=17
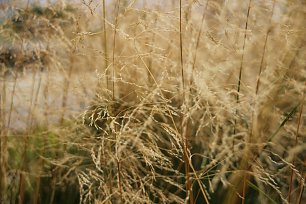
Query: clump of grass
x=234 y=150
x=197 y=102
x=143 y=154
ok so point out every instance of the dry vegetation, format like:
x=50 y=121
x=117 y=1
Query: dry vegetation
x=187 y=102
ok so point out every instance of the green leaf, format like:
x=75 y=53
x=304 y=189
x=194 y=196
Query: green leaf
x=291 y=113
x=260 y=191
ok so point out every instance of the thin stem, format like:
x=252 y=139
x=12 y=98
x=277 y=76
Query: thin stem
x=181 y=49
x=241 y=62
x=264 y=51
x=113 y=97
x=302 y=186
x=296 y=141
x=3 y=143
x=26 y=143
x=12 y=101
x=66 y=87
x=243 y=188
x=239 y=86
x=114 y=48
x=243 y=49
x=254 y=117
x=151 y=50
x=4 y=140
x=198 y=42
x=105 y=45
x=185 y=123
x=46 y=94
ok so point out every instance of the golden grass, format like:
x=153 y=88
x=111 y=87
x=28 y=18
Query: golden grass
x=195 y=102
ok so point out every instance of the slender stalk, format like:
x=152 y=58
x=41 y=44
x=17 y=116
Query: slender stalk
x=4 y=138
x=53 y=185
x=3 y=148
x=113 y=97
x=36 y=98
x=302 y=187
x=199 y=183
x=254 y=115
x=12 y=101
x=261 y=63
x=244 y=187
x=296 y=142
x=151 y=50
x=46 y=94
x=181 y=51
x=198 y=40
x=105 y=44
x=3 y=143
x=241 y=62
x=184 y=128
x=244 y=160
x=264 y=51
x=114 y=48
x=66 y=86
x=26 y=143
x=37 y=187
x=243 y=52
x=33 y=103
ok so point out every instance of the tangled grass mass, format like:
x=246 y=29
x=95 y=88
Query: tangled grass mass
x=137 y=101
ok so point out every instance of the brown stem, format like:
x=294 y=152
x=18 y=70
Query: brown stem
x=264 y=51
x=66 y=87
x=239 y=85
x=243 y=48
x=198 y=39
x=113 y=97
x=114 y=47
x=296 y=141
x=302 y=187
x=184 y=128
x=26 y=144
x=105 y=45
x=3 y=143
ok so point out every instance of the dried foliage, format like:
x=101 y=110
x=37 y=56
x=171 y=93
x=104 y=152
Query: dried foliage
x=211 y=91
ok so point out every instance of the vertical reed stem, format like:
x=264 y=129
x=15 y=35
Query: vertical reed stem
x=184 y=128
x=238 y=92
x=105 y=45
x=3 y=143
x=198 y=42
x=114 y=48
x=26 y=143
x=113 y=91
x=302 y=187
x=243 y=51
x=296 y=142
x=66 y=87
x=264 y=51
